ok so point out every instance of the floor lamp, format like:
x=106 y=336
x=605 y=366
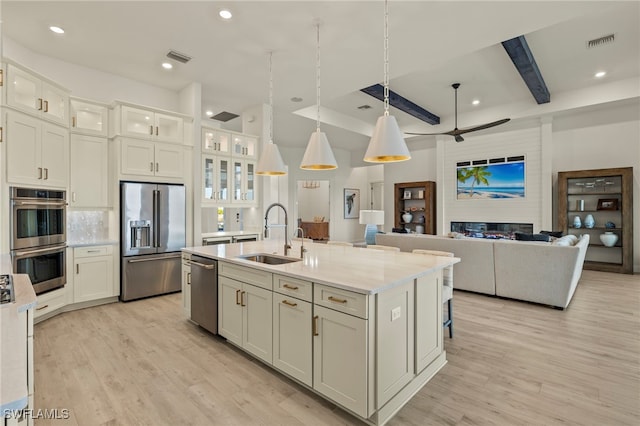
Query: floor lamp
x=371 y=218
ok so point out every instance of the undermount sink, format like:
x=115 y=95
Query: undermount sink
x=269 y=259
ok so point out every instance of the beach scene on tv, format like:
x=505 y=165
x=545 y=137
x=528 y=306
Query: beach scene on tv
x=491 y=181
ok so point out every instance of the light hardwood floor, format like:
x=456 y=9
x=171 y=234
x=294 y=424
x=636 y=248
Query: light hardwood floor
x=510 y=363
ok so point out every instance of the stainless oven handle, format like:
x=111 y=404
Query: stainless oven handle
x=151 y=260
x=40 y=203
x=40 y=251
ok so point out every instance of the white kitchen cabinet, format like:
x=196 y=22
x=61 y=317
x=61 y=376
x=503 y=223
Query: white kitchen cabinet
x=340 y=358
x=34 y=94
x=186 y=284
x=244 y=146
x=39 y=151
x=147 y=158
x=245 y=316
x=429 y=338
x=89 y=167
x=152 y=125
x=216 y=179
x=215 y=141
x=292 y=337
x=244 y=182
x=89 y=117
x=93 y=273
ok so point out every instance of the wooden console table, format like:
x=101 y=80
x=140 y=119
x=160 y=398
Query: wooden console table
x=315 y=230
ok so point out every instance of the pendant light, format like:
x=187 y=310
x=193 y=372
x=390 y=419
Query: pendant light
x=387 y=143
x=318 y=155
x=270 y=162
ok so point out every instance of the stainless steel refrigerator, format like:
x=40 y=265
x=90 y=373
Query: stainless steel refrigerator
x=153 y=230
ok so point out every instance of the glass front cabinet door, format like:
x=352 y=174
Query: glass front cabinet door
x=215 y=185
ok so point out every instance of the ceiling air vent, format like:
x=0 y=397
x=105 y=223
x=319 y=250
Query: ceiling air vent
x=596 y=42
x=177 y=56
x=224 y=116
x=364 y=107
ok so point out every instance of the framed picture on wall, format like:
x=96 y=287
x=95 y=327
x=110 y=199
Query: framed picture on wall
x=351 y=203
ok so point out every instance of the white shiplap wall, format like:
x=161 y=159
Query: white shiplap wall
x=525 y=142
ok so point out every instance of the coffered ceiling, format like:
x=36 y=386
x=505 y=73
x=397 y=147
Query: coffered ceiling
x=432 y=45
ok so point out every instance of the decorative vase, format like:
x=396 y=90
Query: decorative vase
x=589 y=222
x=577 y=223
x=419 y=229
x=609 y=239
x=610 y=225
x=406 y=217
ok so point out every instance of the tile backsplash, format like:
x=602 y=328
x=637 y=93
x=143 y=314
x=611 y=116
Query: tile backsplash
x=87 y=226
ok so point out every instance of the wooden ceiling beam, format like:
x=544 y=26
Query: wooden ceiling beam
x=402 y=103
x=522 y=57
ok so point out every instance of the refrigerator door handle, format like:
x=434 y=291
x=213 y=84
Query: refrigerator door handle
x=157 y=217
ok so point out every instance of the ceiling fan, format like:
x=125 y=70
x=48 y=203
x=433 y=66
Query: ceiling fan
x=457 y=133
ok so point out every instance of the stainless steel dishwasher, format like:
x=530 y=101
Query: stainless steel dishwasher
x=204 y=293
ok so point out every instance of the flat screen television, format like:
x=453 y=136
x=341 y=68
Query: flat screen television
x=491 y=181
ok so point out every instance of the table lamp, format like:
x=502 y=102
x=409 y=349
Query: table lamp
x=371 y=218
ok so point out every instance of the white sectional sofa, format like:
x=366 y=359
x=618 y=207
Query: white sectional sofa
x=537 y=272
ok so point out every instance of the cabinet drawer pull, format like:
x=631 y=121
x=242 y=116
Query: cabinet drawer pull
x=156 y=130
x=94 y=251
x=237 y=294
x=151 y=166
x=290 y=287
x=242 y=299
x=336 y=300
x=39 y=104
x=73 y=122
x=0 y=134
x=286 y=302
x=1 y=78
x=315 y=326
x=157 y=167
x=77 y=268
x=188 y=278
x=39 y=172
x=46 y=173
x=42 y=307
x=46 y=106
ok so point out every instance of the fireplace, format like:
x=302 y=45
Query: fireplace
x=492 y=230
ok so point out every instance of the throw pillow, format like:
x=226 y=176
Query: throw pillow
x=523 y=236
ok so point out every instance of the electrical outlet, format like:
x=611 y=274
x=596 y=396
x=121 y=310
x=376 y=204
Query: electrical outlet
x=395 y=313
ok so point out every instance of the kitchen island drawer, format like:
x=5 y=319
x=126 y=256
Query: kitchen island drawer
x=49 y=302
x=294 y=287
x=341 y=300
x=247 y=275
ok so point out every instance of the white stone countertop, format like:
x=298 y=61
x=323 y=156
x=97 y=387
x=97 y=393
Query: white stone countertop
x=13 y=363
x=361 y=270
x=87 y=243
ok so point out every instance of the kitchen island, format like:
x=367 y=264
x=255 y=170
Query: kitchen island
x=360 y=327
x=16 y=350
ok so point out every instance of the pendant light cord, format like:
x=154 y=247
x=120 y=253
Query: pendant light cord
x=386 y=58
x=270 y=98
x=318 y=77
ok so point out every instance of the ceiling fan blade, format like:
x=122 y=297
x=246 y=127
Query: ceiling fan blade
x=480 y=127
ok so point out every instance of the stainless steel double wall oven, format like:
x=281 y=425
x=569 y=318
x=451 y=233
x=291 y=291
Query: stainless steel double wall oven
x=39 y=236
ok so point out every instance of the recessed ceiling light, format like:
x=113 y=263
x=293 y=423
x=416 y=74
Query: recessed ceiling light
x=167 y=65
x=56 y=30
x=209 y=113
x=225 y=14
x=600 y=74
x=475 y=102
